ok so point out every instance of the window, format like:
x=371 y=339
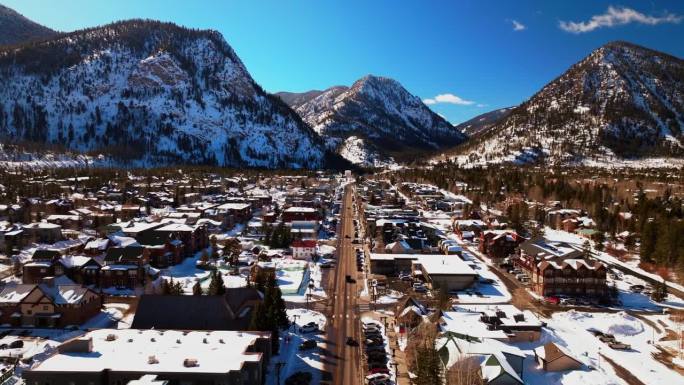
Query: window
x=45 y=307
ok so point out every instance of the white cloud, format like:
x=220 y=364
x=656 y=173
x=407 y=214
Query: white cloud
x=448 y=99
x=518 y=26
x=615 y=16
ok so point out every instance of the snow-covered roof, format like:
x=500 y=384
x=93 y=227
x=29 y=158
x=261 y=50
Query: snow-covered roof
x=295 y=209
x=445 y=265
x=131 y=350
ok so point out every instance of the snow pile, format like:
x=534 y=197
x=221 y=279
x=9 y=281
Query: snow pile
x=618 y=324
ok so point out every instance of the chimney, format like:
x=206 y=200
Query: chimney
x=49 y=281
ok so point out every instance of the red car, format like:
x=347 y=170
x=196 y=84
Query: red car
x=552 y=300
x=379 y=370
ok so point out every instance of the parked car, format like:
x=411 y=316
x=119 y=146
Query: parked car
x=619 y=345
x=381 y=367
x=380 y=382
x=379 y=370
x=309 y=328
x=308 y=345
x=377 y=376
x=374 y=349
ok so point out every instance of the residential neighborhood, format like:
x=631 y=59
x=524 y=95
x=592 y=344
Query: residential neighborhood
x=322 y=276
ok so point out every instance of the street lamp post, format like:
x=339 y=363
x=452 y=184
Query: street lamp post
x=295 y=316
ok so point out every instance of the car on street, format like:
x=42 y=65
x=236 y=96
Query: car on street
x=378 y=376
x=309 y=328
x=308 y=345
x=379 y=370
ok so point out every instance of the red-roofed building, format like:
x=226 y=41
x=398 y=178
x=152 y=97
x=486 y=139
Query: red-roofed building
x=303 y=249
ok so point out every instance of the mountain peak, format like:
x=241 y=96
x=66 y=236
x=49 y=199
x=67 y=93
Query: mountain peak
x=150 y=93
x=621 y=101
x=373 y=120
x=17 y=29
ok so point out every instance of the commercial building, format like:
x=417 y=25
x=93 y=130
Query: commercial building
x=111 y=356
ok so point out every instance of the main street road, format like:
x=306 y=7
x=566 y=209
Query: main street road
x=344 y=321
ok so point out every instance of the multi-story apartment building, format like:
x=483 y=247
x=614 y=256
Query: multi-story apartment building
x=558 y=268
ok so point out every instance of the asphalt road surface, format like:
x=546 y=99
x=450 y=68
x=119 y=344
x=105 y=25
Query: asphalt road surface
x=344 y=322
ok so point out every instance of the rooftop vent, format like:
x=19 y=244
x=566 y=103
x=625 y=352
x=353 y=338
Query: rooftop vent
x=153 y=339
x=205 y=341
x=152 y=360
x=178 y=341
x=111 y=337
x=190 y=362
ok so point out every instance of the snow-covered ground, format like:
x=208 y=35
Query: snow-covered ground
x=571 y=329
x=292 y=359
x=314 y=274
x=391 y=297
x=495 y=292
x=188 y=274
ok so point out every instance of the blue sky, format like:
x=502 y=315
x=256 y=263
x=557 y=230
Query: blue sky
x=478 y=55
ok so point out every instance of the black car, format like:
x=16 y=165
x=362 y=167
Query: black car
x=308 y=345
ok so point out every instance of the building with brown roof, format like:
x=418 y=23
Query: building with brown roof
x=554 y=358
x=557 y=268
x=57 y=302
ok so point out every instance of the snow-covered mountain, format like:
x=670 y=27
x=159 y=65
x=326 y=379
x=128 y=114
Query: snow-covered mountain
x=483 y=122
x=622 y=101
x=15 y=28
x=380 y=116
x=150 y=93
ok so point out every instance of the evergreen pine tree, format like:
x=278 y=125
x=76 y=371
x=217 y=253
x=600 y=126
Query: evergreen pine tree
x=197 y=289
x=216 y=286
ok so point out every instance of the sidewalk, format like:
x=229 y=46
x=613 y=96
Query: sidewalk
x=399 y=356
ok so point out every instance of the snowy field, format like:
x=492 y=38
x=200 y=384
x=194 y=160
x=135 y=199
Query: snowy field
x=570 y=329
